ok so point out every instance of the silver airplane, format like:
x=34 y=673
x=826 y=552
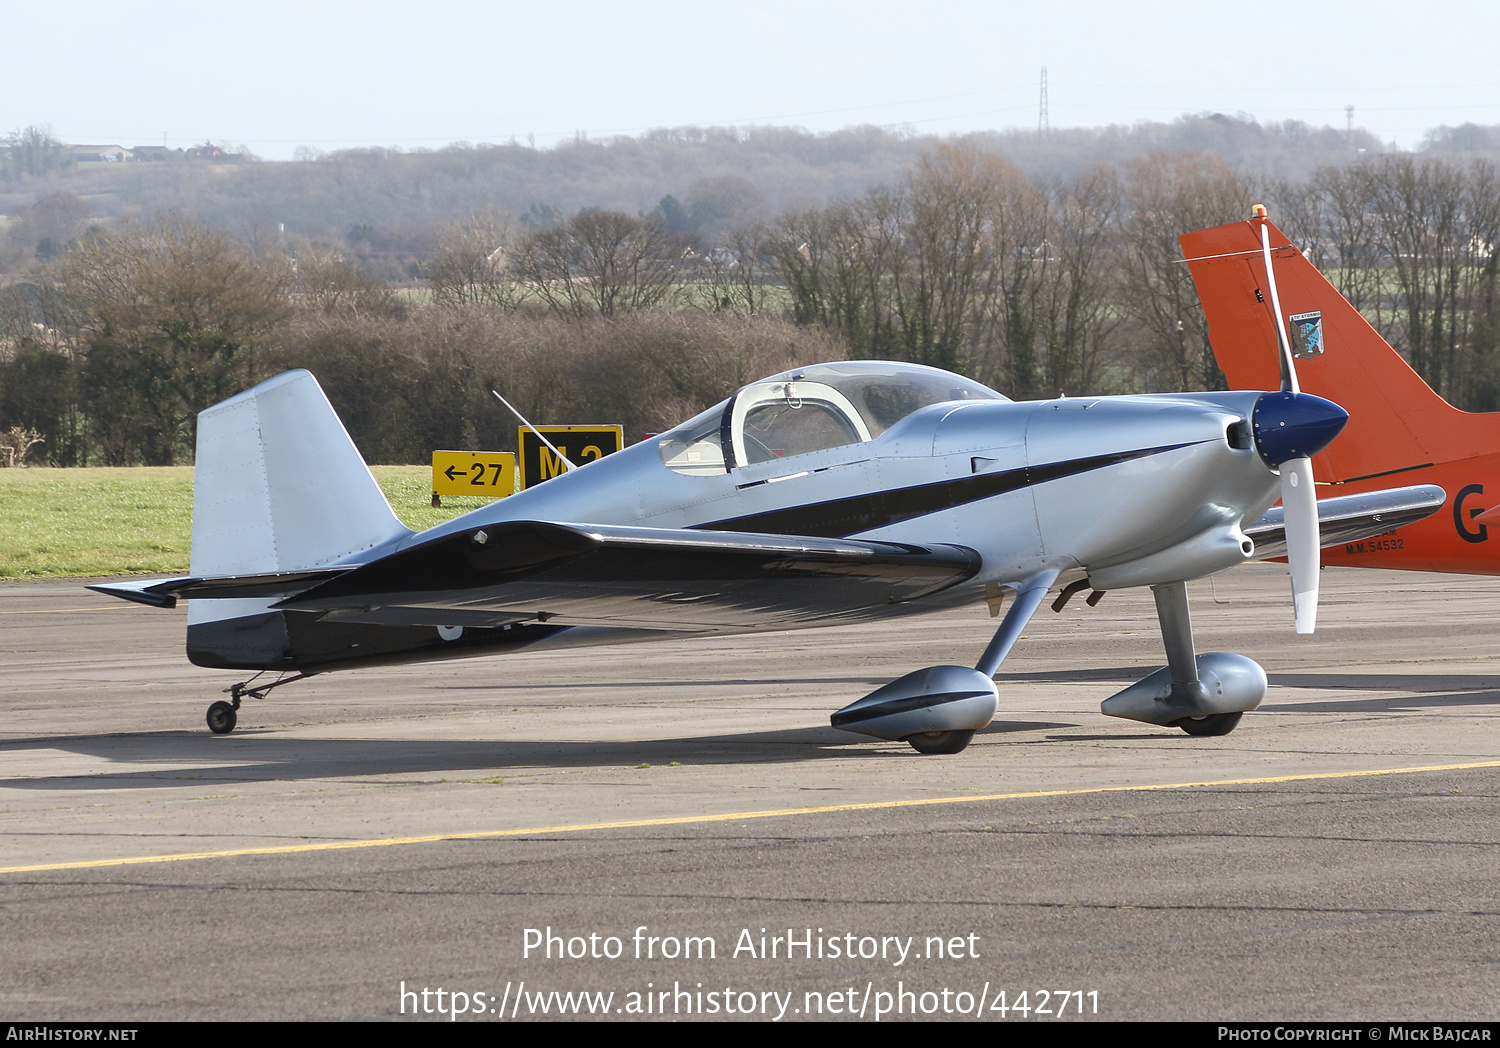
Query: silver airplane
x=837 y=493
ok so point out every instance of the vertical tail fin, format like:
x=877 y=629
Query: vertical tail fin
x=279 y=486
x=1397 y=423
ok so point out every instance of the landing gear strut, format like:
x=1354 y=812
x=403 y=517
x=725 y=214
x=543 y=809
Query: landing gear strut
x=1204 y=695
x=938 y=710
x=222 y=716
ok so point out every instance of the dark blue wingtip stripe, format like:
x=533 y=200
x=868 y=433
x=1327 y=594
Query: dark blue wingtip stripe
x=849 y=516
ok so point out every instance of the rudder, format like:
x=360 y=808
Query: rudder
x=278 y=486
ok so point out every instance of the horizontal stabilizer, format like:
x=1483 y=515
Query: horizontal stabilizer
x=165 y=593
x=1349 y=518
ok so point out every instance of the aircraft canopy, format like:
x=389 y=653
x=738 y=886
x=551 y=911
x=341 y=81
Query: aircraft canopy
x=810 y=409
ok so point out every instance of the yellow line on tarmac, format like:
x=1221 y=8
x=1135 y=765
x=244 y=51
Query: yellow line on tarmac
x=688 y=820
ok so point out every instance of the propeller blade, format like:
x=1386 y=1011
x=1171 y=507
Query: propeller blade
x=1300 y=504
x=1313 y=427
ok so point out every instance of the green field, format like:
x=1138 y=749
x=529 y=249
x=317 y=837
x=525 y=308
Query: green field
x=83 y=522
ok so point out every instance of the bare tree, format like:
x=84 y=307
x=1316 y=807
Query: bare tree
x=32 y=151
x=1410 y=242
x=1169 y=194
x=955 y=268
x=836 y=264
x=1075 y=315
x=325 y=280
x=800 y=242
x=874 y=267
x=1419 y=206
x=600 y=263
x=471 y=265
x=1349 y=246
x=737 y=269
x=1483 y=291
x=845 y=267
x=1022 y=253
x=174 y=313
x=960 y=206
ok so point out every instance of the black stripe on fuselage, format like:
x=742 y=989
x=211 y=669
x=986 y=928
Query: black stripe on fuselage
x=857 y=513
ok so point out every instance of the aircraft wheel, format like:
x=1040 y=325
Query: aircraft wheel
x=1213 y=724
x=940 y=741
x=221 y=718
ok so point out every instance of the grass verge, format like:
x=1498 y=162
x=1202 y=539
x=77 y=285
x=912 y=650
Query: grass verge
x=63 y=523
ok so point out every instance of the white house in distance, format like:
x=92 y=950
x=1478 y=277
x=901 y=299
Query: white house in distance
x=84 y=154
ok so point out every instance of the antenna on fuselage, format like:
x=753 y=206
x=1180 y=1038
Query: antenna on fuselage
x=551 y=446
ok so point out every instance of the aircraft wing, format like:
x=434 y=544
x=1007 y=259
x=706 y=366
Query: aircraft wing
x=1349 y=518
x=606 y=575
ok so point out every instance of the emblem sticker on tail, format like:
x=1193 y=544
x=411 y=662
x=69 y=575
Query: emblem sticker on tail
x=1307 y=334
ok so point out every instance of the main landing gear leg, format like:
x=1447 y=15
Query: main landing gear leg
x=222 y=716
x=1177 y=636
x=1201 y=694
x=1029 y=596
x=938 y=710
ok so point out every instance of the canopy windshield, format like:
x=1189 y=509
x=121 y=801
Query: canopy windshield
x=810 y=409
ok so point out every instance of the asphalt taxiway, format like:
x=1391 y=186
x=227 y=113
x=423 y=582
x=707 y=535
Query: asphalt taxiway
x=366 y=836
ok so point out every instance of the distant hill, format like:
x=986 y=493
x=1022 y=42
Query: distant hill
x=789 y=167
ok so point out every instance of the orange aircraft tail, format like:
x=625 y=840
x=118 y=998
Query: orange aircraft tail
x=1399 y=431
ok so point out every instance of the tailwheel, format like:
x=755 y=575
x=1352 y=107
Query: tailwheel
x=940 y=741
x=1212 y=724
x=222 y=718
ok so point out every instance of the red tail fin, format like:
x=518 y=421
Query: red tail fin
x=1397 y=423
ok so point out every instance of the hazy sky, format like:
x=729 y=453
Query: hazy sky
x=333 y=74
